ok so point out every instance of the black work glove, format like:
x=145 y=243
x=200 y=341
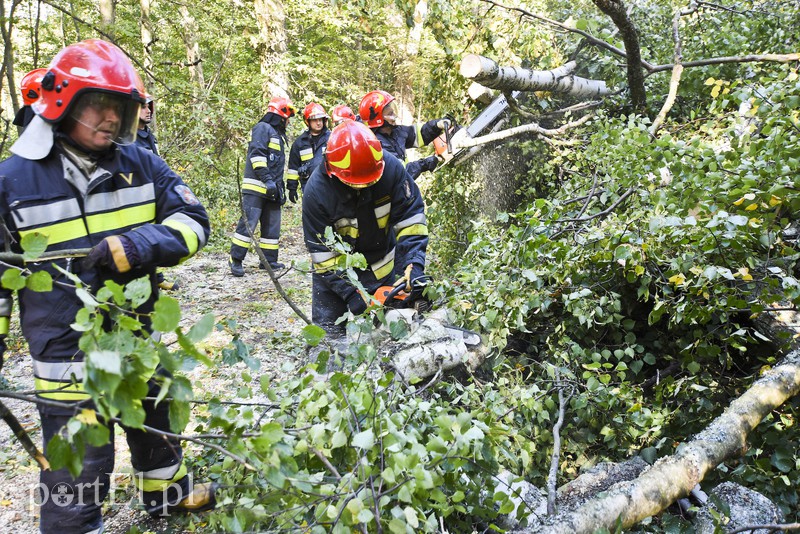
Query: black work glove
x=272 y=191
x=293 y=195
x=2 y=349
x=356 y=303
x=304 y=171
x=430 y=163
x=116 y=253
x=417 y=282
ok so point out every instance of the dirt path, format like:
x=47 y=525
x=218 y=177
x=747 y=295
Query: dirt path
x=264 y=322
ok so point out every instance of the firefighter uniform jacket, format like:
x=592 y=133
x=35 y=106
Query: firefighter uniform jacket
x=385 y=222
x=403 y=137
x=146 y=140
x=305 y=155
x=265 y=159
x=132 y=192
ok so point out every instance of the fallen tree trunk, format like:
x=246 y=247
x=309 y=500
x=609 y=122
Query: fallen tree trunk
x=673 y=477
x=560 y=80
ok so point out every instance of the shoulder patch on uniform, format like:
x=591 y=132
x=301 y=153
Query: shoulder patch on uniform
x=186 y=195
x=408 y=188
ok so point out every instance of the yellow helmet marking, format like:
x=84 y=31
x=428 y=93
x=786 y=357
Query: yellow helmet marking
x=344 y=163
x=377 y=154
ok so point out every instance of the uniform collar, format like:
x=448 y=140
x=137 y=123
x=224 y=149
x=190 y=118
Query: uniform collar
x=36 y=141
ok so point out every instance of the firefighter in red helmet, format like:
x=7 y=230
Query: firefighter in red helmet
x=341 y=112
x=306 y=152
x=365 y=195
x=263 y=188
x=76 y=177
x=144 y=135
x=31 y=89
x=378 y=110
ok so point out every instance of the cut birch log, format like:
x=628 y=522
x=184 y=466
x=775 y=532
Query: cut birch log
x=487 y=72
x=480 y=93
x=673 y=477
x=431 y=345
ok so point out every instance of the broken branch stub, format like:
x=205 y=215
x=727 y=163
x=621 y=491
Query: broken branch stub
x=559 y=80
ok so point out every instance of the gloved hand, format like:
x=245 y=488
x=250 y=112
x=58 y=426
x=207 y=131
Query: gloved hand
x=304 y=171
x=117 y=253
x=416 y=280
x=430 y=163
x=356 y=304
x=2 y=350
x=443 y=123
x=272 y=191
x=293 y=195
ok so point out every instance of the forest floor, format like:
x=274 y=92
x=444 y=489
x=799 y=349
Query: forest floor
x=264 y=321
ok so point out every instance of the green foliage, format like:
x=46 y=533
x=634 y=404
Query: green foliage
x=337 y=451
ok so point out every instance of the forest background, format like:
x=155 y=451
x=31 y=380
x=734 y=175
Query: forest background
x=617 y=270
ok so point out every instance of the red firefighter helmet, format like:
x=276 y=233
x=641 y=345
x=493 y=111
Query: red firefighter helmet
x=31 y=86
x=281 y=106
x=92 y=73
x=91 y=65
x=342 y=112
x=354 y=155
x=314 y=111
x=372 y=106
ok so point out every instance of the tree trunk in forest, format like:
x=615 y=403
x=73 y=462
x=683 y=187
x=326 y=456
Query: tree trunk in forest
x=146 y=26
x=615 y=9
x=673 y=477
x=107 y=16
x=7 y=69
x=271 y=42
x=405 y=69
x=193 y=54
x=561 y=80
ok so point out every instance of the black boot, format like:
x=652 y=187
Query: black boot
x=202 y=498
x=236 y=267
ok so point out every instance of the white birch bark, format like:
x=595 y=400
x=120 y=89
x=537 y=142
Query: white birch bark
x=271 y=42
x=560 y=80
x=193 y=57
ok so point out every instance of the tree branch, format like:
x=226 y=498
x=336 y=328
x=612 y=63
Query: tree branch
x=552 y=477
x=752 y=58
x=525 y=128
x=22 y=436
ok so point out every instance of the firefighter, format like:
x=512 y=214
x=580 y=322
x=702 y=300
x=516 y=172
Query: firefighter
x=31 y=89
x=342 y=112
x=76 y=178
x=144 y=136
x=378 y=110
x=306 y=152
x=370 y=201
x=263 y=188
x=146 y=140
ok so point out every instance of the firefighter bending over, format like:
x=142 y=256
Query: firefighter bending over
x=369 y=200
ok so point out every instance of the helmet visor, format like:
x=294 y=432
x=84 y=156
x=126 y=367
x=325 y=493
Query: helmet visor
x=116 y=114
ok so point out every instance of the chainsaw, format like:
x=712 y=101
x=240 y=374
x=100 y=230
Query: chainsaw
x=449 y=145
x=400 y=295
